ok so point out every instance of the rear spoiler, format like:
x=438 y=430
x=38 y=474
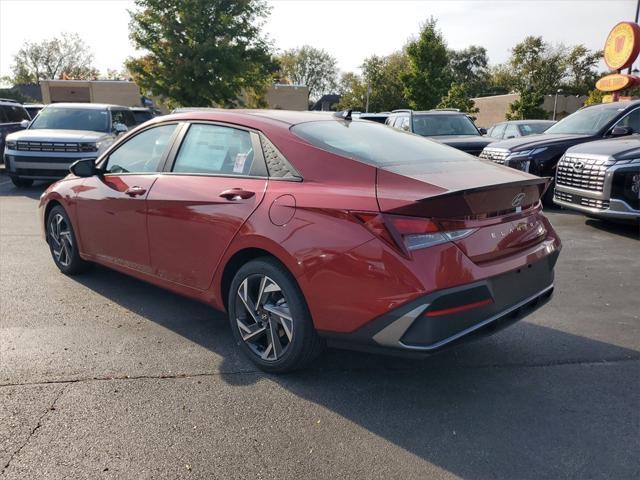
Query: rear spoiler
x=479 y=201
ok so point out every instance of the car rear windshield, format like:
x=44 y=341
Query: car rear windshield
x=440 y=125
x=377 y=144
x=588 y=121
x=72 y=119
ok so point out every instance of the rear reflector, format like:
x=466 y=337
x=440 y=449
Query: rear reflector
x=458 y=309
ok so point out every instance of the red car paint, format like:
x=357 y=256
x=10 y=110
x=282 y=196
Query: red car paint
x=178 y=233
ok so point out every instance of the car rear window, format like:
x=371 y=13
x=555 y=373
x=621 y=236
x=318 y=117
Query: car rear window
x=378 y=145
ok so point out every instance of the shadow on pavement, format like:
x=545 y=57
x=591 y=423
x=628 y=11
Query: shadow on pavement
x=628 y=230
x=487 y=409
x=7 y=189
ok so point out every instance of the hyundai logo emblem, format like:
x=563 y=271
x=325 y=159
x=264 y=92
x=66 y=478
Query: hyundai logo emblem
x=578 y=166
x=518 y=199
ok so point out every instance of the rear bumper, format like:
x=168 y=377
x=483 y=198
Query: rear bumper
x=449 y=316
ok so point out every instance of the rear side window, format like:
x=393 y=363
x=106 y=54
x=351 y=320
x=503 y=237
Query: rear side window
x=378 y=145
x=214 y=149
x=511 y=131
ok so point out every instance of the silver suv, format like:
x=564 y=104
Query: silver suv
x=61 y=134
x=601 y=178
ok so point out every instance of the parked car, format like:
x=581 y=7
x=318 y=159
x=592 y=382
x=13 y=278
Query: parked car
x=309 y=228
x=446 y=126
x=61 y=134
x=539 y=154
x=13 y=117
x=143 y=114
x=374 y=117
x=33 y=109
x=518 y=128
x=601 y=179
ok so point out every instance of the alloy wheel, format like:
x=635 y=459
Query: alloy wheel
x=61 y=238
x=263 y=317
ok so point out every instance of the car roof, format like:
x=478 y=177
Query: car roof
x=88 y=106
x=10 y=103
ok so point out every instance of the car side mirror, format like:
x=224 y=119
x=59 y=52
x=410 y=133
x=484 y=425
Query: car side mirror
x=85 y=167
x=620 y=131
x=483 y=131
x=119 y=128
x=24 y=123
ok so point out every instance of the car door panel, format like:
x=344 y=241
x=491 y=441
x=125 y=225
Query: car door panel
x=112 y=219
x=112 y=208
x=190 y=224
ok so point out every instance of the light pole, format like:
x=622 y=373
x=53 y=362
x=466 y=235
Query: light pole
x=555 y=103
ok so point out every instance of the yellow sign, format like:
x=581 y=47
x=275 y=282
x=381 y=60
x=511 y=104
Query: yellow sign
x=607 y=98
x=622 y=45
x=616 y=82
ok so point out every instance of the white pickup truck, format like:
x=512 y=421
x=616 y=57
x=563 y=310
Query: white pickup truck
x=61 y=134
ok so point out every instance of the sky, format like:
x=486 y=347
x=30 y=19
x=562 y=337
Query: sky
x=350 y=30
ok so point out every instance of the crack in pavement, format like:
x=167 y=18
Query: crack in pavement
x=586 y=363
x=51 y=408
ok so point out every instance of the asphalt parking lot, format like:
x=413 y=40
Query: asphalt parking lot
x=103 y=376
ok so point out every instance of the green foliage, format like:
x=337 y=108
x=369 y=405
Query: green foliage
x=14 y=95
x=429 y=75
x=470 y=67
x=353 y=92
x=594 y=96
x=581 y=70
x=201 y=52
x=52 y=59
x=457 y=97
x=312 y=67
x=528 y=106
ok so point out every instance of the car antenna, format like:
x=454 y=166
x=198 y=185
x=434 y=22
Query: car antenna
x=344 y=115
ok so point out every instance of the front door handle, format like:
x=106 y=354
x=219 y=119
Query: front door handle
x=135 y=191
x=237 y=194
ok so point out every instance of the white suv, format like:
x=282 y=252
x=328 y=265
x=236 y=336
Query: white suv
x=61 y=134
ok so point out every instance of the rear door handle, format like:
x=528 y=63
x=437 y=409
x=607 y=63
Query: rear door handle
x=237 y=194
x=135 y=191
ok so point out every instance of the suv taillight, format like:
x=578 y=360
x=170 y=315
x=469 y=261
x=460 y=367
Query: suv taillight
x=409 y=233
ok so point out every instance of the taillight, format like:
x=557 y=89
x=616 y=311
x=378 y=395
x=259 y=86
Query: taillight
x=409 y=233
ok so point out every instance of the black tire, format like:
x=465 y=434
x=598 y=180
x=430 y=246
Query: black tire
x=63 y=246
x=303 y=342
x=22 y=182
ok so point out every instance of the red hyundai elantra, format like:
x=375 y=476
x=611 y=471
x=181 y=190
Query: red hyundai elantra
x=309 y=228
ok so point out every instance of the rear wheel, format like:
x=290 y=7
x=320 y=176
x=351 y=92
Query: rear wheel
x=22 y=182
x=270 y=319
x=62 y=242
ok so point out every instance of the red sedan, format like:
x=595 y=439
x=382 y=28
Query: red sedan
x=309 y=228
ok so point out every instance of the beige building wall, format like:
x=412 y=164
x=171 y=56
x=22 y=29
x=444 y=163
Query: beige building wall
x=494 y=109
x=288 y=97
x=94 y=91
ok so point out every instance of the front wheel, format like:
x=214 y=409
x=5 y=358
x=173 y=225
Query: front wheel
x=62 y=242
x=270 y=319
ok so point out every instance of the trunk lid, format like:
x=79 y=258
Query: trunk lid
x=500 y=204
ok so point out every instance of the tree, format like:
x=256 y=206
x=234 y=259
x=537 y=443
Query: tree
x=470 y=67
x=201 y=52
x=353 y=92
x=581 y=70
x=457 y=97
x=383 y=77
x=527 y=107
x=594 y=96
x=312 y=67
x=429 y=75
x=59 y=57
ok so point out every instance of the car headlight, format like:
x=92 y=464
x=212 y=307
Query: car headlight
x=89 y=147
x=521 y=160
x=11 y=144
